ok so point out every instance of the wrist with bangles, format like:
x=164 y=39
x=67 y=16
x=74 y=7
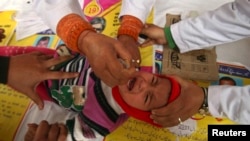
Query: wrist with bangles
x=70 y=28
x=131 y=26
x=204 y=107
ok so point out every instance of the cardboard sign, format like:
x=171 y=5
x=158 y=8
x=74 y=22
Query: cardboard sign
x=195 y=65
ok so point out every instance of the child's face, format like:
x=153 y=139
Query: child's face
x=43 y=43
x=146 y=91
x=226 y=82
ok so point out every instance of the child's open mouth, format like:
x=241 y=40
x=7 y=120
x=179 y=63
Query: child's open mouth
x=131 y=84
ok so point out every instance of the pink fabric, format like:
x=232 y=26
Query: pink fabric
x=43 y=93
x=16 y=50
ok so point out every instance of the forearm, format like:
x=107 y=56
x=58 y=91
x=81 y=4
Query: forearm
x=4 y=68
x=226 y=24
x=231 y=102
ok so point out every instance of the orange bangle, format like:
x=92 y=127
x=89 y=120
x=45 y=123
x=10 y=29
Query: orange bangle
x=131 y=26
x=70 y=28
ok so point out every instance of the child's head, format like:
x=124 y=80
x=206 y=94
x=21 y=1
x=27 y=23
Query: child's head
x=146 y=91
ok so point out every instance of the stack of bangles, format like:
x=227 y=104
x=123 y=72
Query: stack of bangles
x=70 y=28
x=203 y=111
x=204 y=107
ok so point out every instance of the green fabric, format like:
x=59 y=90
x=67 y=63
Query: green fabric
x=169 y=38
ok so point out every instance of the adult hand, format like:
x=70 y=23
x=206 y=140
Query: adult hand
x=103 y=54
x=155 y=35
x=132 y=46
x=26 y=71
x=46 y=132
x=2 y=36
x=185 y=106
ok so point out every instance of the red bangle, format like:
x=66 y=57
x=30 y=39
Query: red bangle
x=131 y=26
x=70 y=28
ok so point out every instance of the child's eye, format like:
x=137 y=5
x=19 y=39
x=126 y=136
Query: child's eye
x=146 y=98
x=154 y=80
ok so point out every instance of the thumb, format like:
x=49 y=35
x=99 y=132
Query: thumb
x=144 y=29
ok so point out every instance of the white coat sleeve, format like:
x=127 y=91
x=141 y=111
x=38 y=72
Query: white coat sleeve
x=137 y=8
x=231 y=102
x=228 y=23
x=51 y=11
